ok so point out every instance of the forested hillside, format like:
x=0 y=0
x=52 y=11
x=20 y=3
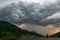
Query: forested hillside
x=10 y=31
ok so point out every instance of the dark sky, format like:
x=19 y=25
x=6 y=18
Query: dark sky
x=40 y=16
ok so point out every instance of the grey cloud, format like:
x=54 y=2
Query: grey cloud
x=34 y=13
x=2 y=1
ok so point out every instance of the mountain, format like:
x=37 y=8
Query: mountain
x=5 y=26
x=56 y=35
x=10 y=30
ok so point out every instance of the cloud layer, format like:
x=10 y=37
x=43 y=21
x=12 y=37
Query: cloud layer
x=33 y=13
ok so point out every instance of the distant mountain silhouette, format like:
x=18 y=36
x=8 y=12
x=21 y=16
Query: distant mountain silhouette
x=56 y=35
x=7 y=27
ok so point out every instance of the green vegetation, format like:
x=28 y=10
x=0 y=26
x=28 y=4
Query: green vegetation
x=9 y=32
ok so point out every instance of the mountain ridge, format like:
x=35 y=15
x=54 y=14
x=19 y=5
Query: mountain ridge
x=56 y=34
x=6 y=27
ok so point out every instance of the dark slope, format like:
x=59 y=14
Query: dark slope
x=7 y=27
x=56 y=35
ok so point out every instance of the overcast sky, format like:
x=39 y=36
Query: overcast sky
x=41 y=16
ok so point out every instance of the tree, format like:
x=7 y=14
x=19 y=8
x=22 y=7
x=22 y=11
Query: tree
x=47 y=36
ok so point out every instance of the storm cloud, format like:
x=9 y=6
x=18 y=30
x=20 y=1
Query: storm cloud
x=33 y=13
